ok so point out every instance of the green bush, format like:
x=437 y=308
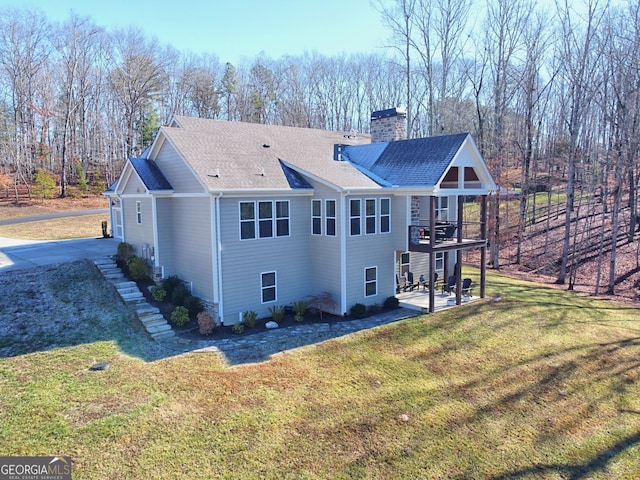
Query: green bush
x=249 y=318
x=125 y=251
x=158 y=293
x=193 y=304
x=170 y=283
x=358 y=311
x=237 y=328
x=299 y=308
x=277 y=313
x=391 y=303
x=138 y=268
x=179 y=295
x=180 y=316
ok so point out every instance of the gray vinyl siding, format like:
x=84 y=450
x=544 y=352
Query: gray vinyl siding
x=137 y=234
x=244 y=260
x=134 y=185
x=364 y=251
x=185 y=244
x=325 y=251
x=176 y=171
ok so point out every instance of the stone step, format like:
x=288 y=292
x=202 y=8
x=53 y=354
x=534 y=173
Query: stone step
x=158 y=328
x=111 y=271
x=103 y=261
x=164 y=335
x=124 y=284
x=145 y=310
x=152 y=319
x=128 y=290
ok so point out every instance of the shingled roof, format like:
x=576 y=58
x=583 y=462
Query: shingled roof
x=150 y=175
x=238 y=156
x=408 y=163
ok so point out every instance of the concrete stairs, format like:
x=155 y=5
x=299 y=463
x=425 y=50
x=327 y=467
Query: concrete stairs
x=149 y=316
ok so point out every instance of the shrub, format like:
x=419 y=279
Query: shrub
x=180 y=316
x=138 y=268
x=358 y=311
x=193 y=304
x=237 y=328
x=323 y=303
x=391 y=303
x=277 y=313
x=158 y=293
x=125 y=251
x=179 y=295
x=299 y=308
x=206 y=323
x=170 y=283
x=249 y=318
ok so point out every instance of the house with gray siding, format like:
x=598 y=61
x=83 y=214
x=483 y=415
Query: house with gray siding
x=253 y=216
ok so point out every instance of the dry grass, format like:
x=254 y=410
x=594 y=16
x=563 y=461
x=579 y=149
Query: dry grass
x=85 y=226
x=536 y=383
x=55 y=229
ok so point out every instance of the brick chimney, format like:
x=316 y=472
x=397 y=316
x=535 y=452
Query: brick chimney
x=388 y=125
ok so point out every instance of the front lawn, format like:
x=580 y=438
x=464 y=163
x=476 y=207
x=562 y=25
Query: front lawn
x=532 y=383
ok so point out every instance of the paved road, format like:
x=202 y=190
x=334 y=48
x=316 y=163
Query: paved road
x=49 y=216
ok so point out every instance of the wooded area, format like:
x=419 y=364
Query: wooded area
x=550 y=95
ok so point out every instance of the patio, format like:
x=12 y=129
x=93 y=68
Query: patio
x=418 y=299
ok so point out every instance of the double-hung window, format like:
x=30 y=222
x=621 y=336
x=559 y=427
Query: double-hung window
x=268 y=285
x=270 y=220
x=330 y=214
x=316 y=217
x=282 y=218
x=354 y=216
x=370 y=281
x=265 y=219
x=370 y=215
x=247 y=220
x=139 y=212
x=385 y=215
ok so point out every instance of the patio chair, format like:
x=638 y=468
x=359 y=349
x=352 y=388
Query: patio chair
x=411 y=283
x=425 y=283
x=467 y=286
x=401 y=284
x=450 y=286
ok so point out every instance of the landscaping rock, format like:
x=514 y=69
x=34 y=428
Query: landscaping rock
x=271 y=325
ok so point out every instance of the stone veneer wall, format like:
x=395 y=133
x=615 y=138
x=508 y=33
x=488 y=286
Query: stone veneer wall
x=415 y=210
x=388 y=129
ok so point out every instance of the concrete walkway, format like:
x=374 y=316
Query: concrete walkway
x=16 y=254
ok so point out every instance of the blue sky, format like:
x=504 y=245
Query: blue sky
x=236 y=29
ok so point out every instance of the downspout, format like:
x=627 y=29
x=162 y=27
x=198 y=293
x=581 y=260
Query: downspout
x=156 y=249
x=216 y=248
x=343 y=254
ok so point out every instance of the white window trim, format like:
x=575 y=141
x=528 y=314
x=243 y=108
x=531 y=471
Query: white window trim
x=366 y=282
x=254 y=221
x=333 y=217
x=384 y=215
x=274 y=286
x=276 y=218
x=139 y=212
x=314 y=217
x=359 y=217
x=374 y=216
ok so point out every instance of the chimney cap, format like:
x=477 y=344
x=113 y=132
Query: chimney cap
x=389 y=112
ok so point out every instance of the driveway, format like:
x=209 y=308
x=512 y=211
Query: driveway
x=15 y=254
